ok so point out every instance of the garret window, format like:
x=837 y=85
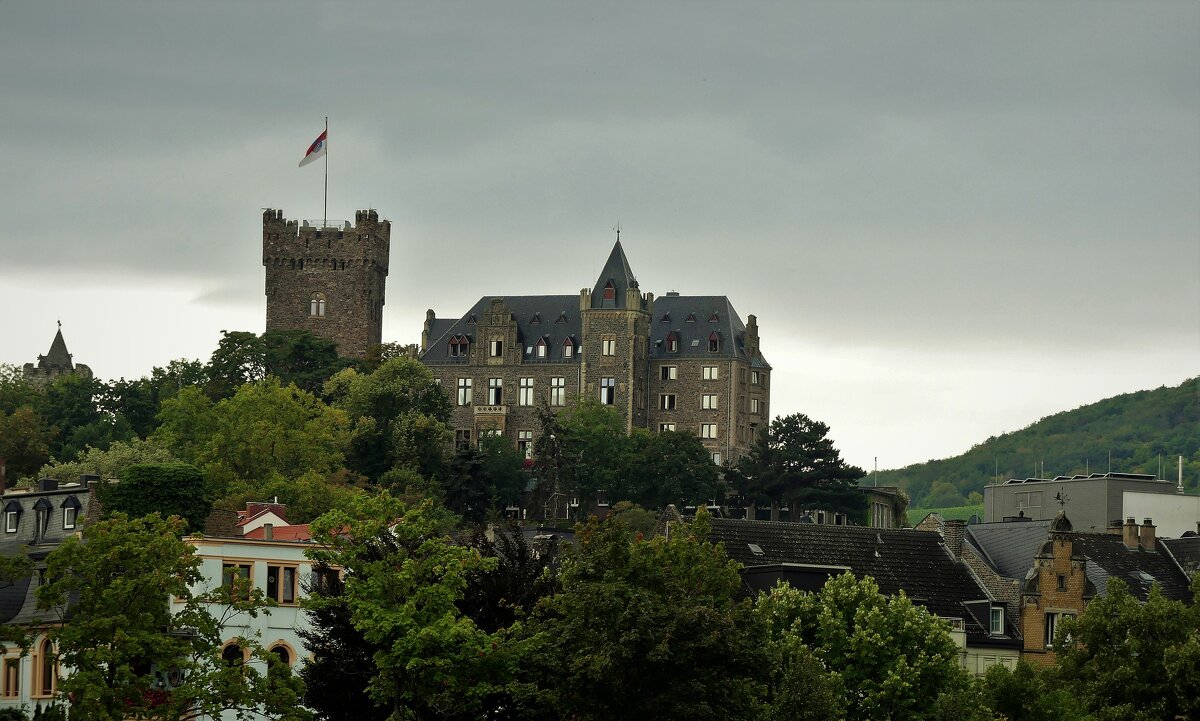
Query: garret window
x=672 y=342
x=610 y=291
x=568 y=348
x=540 y=348
x=70 y=512
x=714 y=342
x=12 y=517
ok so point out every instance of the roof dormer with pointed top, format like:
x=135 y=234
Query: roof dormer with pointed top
x=615 y=281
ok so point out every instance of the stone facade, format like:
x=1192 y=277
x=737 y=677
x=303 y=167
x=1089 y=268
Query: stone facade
x=328 y=278
x=1057 y=587
x=686 y=363
x=55 y=364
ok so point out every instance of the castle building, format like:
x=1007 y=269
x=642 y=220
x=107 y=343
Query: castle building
x=55 y=364
x=683 y=363
x=327 y=278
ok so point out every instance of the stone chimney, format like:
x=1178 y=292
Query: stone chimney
x=48 y=484
x=1129 y=533
x=954 y=533
x=1146 y=537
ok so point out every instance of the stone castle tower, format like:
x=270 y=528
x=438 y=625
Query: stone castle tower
x=328 y=278
x=56 y=363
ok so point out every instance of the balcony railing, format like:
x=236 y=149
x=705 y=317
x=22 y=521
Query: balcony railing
x=491 y=410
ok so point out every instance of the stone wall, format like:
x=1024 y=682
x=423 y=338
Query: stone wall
x=329 y=281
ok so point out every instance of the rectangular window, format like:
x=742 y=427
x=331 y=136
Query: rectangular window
x=716 y=458
x=662 y=427
x=558 y=391
x=237 y=578
x=666 y=402
x=568 y=349
x=1062 y=582
x=464 y=391
x=708 y=401
x=496 y=348
x=462 y=439
x=754 y=405
x=997 y=621
x=495 y=391
x=281 y=583
x=608 y=391
x=708 y=430
x=12 y=677
x=609 y=346
x=526 y=397
x=753 y=378
x=541 y=349
x=525 y=444
x=669 y=373
x=742 y=375
x=10 y=521
x=69 y=518
x=710 y=373
x=1052 y=621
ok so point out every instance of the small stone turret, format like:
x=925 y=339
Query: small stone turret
x=56 y=363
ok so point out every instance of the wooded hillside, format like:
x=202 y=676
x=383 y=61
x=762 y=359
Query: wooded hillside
x=1134 y=427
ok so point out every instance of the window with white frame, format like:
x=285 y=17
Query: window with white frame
x=541 y=348
x=495 y=391
x=525 y=444
x=666 y=402
x=12 y=521
x=662 y=427
x=1053 y=619
x=996 y=621
x=485 y=433
x=710 y=373
x=69 y=517
x=608 y=391
x=708 y=401
x=716 y=458
x=526 y=392
x=753 y=378
x=608 y=346
x=669 y=373
x=754 y=405
x=558 y=391
x=316 y=305
x=708 y=430
x=568 y=348
x=496 y=348
x=464 y=391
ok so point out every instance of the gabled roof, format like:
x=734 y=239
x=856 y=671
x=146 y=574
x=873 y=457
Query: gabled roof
x=915 y=562
x=299 y=532
x=1185 y=551
x=616 y=271
x=57 y=357
x=524 y=309
x=1009 y=547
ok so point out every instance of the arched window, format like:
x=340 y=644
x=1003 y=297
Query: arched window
x=233 y=655
x=283 y=653
x=316 y=306
x=48 y=670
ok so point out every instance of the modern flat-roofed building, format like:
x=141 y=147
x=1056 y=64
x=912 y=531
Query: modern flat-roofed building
x=1095 y=502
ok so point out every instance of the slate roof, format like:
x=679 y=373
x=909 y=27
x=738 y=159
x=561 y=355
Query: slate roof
x=537 y=316
x=693 y=318
x=1108 y=557
x=1008 y=547
x=1185 y=552
x=898 y=559
x=616 y=270
x=57 y=357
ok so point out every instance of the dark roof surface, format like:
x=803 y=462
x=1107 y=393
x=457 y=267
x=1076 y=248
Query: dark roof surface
x=537 y=316
x=693 y=318
x=57 y=356
x=1008 y=547
x=913 y=561
x=1108 y=557
x=1185 y=551
x=616 y=270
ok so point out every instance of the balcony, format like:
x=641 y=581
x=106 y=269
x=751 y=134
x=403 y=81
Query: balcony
x=491 y=410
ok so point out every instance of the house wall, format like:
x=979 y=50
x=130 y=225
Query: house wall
x=1173 y=515
x=1092 y=502
x=1046 y=596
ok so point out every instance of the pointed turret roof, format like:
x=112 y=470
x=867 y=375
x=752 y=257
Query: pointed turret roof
x=57 y=357
x=616 y=272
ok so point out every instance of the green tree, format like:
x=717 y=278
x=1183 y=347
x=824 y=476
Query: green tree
x=175 y=489
x=481 y=481
x=307 y=497
x=14 y=391
x=24 y=442
x=302 y=358
x=887 y=658
x=403 y=582
x=646 y=629
x=109 y=463
x=399 y=416
x=186 y=423
x=583 y=450
x=794 y=461
x=116 y=584
x=669 y=467
x=1130 y=660
x=1027 y=694
x=239 y=359
x=71 y=405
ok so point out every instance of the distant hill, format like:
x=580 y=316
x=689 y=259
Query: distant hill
x=1134 y=427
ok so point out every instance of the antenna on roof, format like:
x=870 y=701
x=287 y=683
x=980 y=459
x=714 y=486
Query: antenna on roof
x=618 y=229
x=1062 y=499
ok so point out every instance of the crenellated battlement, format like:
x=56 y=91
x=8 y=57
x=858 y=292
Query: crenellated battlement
x=327 y=276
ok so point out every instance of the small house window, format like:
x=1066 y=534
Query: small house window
x=69 y=518
x=568 y=348
x=284 y=655
x=708 y=401
x=997 y=621
x=664 y=427
x=464 y=391
x=233 y=655
x=666 y=402
x=495 y=391
x=558 y=391
x=1062 y=582
x=610 y=291
x=708 y=430
x=526 y=395
x=525 y=444
x=608 y=391
x=670 y=373
x=496 y=348
x=11 y=521
x=716 y=458
x=711 y=373
x=609 y=346
x=672 y=342
x=541 y=348
x=714 y=342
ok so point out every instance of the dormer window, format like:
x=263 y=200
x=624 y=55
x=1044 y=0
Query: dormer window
x=714 y=342
x=562 y=317
x=454 y=347
x=536 y=319
x=70 y=508
x=672 y=342
x=691 y=318
x=540 y=348
x=996 y=622
x=568 y=348
x=713 y=318
x=316 y=305
x=666 y=318
x=610 y=291
x=12 y=517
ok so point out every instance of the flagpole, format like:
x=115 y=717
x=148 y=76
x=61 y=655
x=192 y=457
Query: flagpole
x=326 y=211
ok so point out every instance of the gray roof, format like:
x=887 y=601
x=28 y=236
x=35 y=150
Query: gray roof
x=554 y=318
x=616 y=271
x=1009 y=547
x=57 y=357
x=693 y=319
x=1185 y=551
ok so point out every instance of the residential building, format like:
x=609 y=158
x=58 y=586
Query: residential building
x=676 y=362
x=918 y=563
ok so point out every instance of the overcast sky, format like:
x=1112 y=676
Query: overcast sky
x=951 y=219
